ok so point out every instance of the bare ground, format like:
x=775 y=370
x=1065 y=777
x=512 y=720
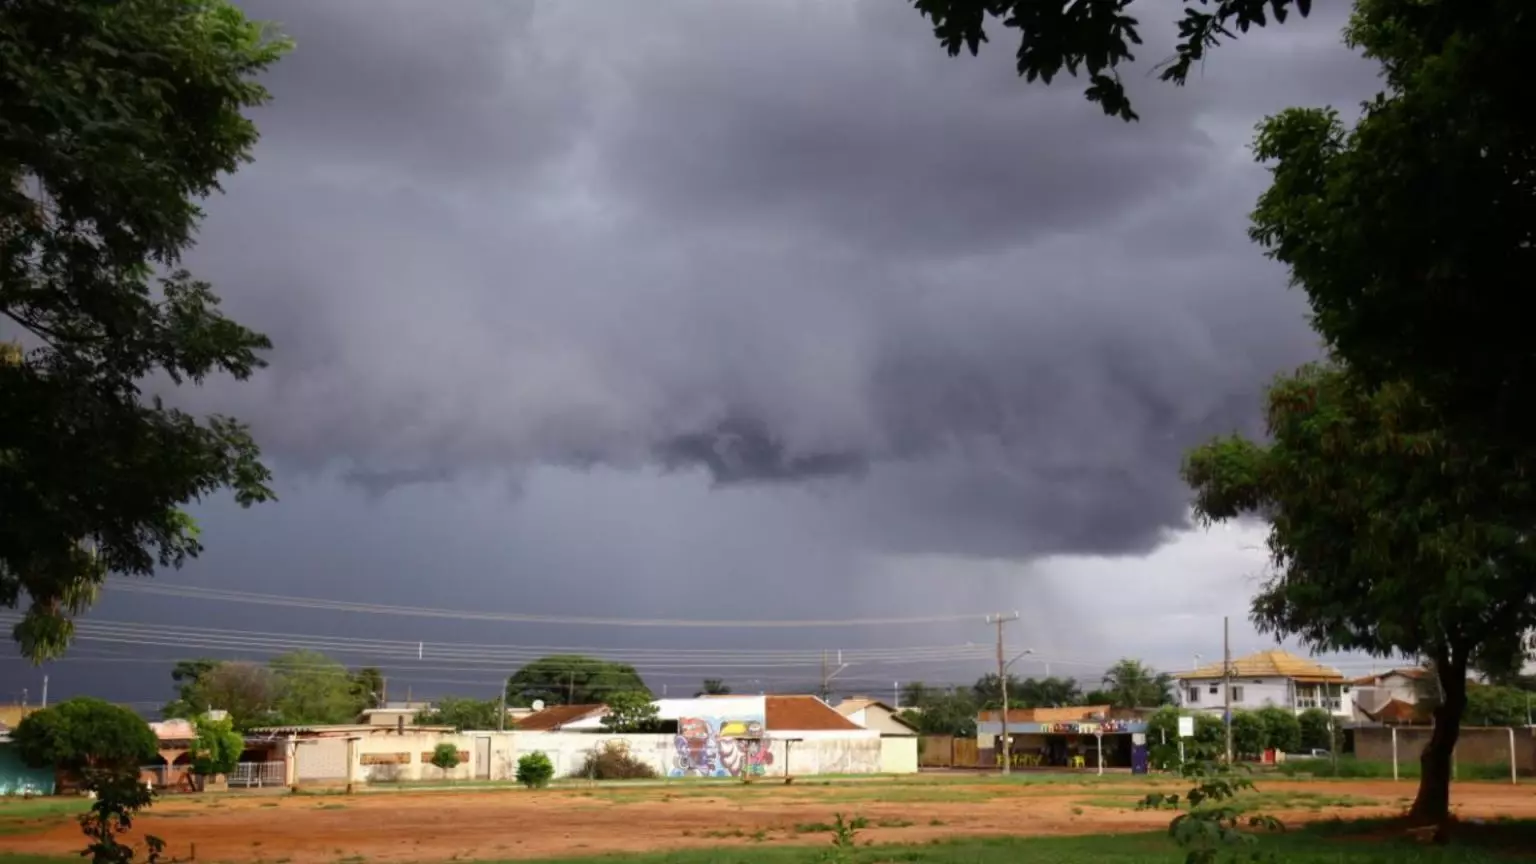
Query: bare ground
x=511 y=823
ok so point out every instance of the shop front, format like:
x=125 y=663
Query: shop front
x=1088 y=745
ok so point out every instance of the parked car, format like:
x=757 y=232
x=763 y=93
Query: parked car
x=1314 y=753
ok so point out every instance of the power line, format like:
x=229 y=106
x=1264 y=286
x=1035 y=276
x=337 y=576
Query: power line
x=216 y=594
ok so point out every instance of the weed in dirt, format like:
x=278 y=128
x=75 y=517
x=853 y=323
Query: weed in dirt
x=759 y=836
x=937 y=822
x=893 y=823
x=331 y=807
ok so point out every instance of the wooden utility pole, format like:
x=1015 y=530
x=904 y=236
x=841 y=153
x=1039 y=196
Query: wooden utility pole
x=1226 y=677
x=1002 y=683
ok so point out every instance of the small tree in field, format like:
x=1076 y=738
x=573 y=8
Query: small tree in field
x=446 y=756
x=534 y=770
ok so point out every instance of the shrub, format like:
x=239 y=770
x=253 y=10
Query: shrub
x=535 y=770
x=217 y=748
x=446 y=756
x=612 y=761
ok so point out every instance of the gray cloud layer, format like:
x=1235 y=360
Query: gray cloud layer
x=732 y=294
x=778 y=241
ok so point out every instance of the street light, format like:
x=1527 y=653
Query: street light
x=1003 y=683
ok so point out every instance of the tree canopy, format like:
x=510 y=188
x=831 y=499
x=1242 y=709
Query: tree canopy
x=1384 y=536
x=118 y=118
x=631 y=711
x=313 y=688
x=1026 y=692
x=85 y=733
x=463 y=713
x=938 y=711
x=247 y=691
x=572 y=679
x=1132 y=684
x=1096 y=38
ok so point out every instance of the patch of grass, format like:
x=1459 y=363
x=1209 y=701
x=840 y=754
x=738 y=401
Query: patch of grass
x=33 y=815
x=937 y=822
x=1350 y=768
x=1264 y=801
x=892 y=823
x=331 y=807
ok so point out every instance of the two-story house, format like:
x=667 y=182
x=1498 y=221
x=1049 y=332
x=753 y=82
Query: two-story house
x=1268 y=678
x=1392 y=696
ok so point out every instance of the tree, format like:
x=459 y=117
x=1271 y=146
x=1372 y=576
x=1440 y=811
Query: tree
x=1316 y=729
x=85 y=734
x=988 y=692
x=1248 y=734
x=245 y=690
x=1497 y=706
x=1046 y=692
x=572 y=679
x=631 y=712
x=463 y=714
x=368 y=688
x=1132 y=684
x=313 y=688
x=217 y=747
x=446 y=756
x=1403 y=231
x=915 y=693
x=1282 y=730
x=119 y=117
x=189 y=701
x=1385 y=535
x=1095 y=37
x=714 y=687
x=944 y=712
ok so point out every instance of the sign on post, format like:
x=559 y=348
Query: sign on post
x=1186 y=727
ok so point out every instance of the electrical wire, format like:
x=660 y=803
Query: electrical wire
x=189 y=592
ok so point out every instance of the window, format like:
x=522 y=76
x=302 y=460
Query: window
x=1237 y=694
x=1194 y=695
x=1215 y=689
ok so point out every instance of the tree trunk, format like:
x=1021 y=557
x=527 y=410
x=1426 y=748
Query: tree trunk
x=1432 y=806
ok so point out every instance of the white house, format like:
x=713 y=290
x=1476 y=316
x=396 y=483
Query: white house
x=1375 y=693
x=1268 y=678
x=876 y=715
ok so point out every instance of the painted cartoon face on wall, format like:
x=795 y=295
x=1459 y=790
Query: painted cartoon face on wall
x=720 y=747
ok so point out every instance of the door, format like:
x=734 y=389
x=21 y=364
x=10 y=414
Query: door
x=482 y=758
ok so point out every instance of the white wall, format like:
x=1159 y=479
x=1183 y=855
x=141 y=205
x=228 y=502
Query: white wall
x=568 y=751
x=898 y=755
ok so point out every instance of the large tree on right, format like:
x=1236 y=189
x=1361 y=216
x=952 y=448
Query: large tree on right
x=1386 y=536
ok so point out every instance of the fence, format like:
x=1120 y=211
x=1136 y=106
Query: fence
x=947 y=751
x=257 y=774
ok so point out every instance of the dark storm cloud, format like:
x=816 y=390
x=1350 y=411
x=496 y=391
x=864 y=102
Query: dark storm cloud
x=777 y=241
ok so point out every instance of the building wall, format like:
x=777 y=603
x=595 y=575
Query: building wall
x=880 y=720
x=1250 y=694
x=898 y=754
x=1474 y=746
x=568 y=751
x=841 y=755
x=17 y=779
x=321 y=760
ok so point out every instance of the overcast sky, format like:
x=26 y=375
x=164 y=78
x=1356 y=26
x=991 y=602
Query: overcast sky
x=738 y=310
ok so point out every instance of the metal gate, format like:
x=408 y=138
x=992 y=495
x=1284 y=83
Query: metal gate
x=483 y=758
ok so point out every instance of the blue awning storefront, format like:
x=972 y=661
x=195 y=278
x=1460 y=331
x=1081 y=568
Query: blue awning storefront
x=1097 y=727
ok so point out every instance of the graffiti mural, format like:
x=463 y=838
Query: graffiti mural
x=721 y=747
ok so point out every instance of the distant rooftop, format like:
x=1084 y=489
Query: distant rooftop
x=1269 y=664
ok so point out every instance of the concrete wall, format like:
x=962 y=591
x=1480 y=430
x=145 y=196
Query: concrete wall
x=321 y=760
x=817 y=755
x=898 y=754
x=17 y=779
x=1475 y=746
x=568 y=751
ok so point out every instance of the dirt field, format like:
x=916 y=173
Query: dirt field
x=425 y=826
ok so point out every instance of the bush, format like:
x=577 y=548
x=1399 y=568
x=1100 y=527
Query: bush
x=535 y=770
x=1282 y=731
x=85 y=733
x=217 y=748
x=612 y=761
x=446 y=756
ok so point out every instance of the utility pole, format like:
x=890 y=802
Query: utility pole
x=501 y=716
x=45 y=691
x=1002 y=682
x=1226 y=677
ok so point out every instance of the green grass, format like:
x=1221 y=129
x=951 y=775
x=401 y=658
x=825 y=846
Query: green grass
x=1350 y=768
x=1266 y=800
x=25 y=816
